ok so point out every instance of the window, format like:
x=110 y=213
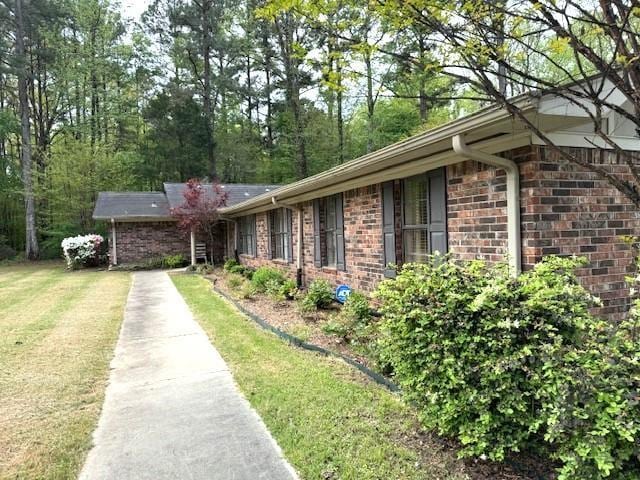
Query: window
x=424 y=216
x=415 y=222
x=329 y=232
x=247 y=235
x=280 y=233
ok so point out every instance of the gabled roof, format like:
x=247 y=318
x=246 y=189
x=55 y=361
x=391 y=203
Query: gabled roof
x=149 y=206
x=133 y=205
x=236 y=192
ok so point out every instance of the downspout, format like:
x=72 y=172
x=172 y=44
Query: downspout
x=113 y=234
x=193 y=247
x=300 y=216
x=514 y=245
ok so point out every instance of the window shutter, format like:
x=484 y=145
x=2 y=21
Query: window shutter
x=340 y=263
x=254 y=237
x=270 y=227
x=289 y=223
x=317 y=254
x=437 y=211
x=388 y=228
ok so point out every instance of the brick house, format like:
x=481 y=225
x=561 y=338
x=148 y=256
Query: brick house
x=482 y=186
x=141 y=225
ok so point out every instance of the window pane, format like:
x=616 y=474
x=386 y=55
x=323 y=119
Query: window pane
x=416 y=245
x=415 y=201
x=330 y=206
x=331 y=249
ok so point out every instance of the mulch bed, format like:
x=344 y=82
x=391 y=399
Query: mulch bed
x=285 y=316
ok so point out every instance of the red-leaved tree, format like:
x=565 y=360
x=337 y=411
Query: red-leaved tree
x=199 y=212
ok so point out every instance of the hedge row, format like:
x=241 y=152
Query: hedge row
x=506 y=364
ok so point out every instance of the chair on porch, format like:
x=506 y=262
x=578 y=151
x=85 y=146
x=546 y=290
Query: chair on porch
x=201 y=251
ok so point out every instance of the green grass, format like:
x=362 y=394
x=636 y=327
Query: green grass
x=330 y=421
x=57 y=334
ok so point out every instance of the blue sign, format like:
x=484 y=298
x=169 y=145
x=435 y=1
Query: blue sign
x=342 y=293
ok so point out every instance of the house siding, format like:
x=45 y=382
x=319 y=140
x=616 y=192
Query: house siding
x=136 y=241
x=568 y=210
x=565 y=210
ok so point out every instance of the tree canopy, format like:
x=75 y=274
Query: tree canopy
x=269 y=90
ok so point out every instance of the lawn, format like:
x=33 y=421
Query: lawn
x=57 y=334
x=331 y=422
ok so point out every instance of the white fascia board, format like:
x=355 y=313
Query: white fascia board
x=582 y=140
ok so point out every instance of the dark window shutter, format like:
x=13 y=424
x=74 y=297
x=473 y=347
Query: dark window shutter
x=270 y=227
x=254 y=237
x=340 y=263
x=388 y=228
x=317 y=254
x=289 y=224
x=437 y=211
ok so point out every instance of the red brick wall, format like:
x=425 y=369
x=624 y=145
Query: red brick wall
x=567 y=210
x=477 y=211
x=137 y=241
x=363 y=242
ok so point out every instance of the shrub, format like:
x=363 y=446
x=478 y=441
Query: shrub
x=235 y=281
x=204 y=269
x=174 y=261
x=487 y=357
x=354 y=319
x=230 y=263
x=281 y=291
x=82 y=251
x=248 y=290
x=264 y=275
x=319 y=295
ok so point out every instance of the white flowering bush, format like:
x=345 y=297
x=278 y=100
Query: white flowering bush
x=82 y=251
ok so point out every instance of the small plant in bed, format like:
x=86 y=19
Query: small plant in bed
x=265 y=276
x=174 y=261
x=319 y=295
x=279 y=292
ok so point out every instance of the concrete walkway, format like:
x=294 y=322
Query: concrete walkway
x=172 y=410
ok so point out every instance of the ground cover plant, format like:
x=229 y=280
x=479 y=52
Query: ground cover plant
x=57 y=334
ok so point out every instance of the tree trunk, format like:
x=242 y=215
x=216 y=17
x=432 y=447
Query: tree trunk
x=370 y=102
x=31 y=241
x=206 y=82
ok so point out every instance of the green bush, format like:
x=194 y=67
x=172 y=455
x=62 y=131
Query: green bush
x=229 y=264
x=354 y=320
x=248 y=290
x=506 y=363
x=265 y=275
x=319 y=295
x=235 y=281
x=174 y=261
x=281 y=291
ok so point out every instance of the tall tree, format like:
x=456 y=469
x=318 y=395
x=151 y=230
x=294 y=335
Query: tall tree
x=31 y=242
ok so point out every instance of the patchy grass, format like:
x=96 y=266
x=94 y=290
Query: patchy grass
x=57 y=334
x=331 y=422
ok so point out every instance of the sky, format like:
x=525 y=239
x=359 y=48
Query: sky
x=133 y=8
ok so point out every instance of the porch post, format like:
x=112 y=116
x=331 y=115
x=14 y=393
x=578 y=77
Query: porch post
x=193 y=247
x=113 y=236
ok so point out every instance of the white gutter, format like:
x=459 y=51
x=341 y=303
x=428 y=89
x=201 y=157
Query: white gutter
x=113 y=233
x=299 y=250
x=514 y=246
